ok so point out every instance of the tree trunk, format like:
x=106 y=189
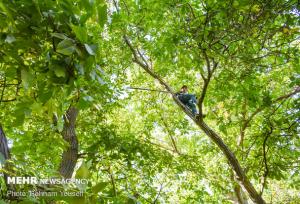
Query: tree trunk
x=5 y=154
x=3 y=145
x=70 y=155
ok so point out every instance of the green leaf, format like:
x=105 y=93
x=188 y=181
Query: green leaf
x=20 y=117
x=100 y=80
x=83 y=171
x=59 y=71
x=267 y=101
x=10 y=73
x=102 y=13
x=27 y=78
x=10 y=39
x=80 y=33
x=44 y=93
x=66 y=47
x=88 y=65
x=60 y=124
x=99 y=187
x=91 y=49
x=36 y=107
x=86 y=4
x=88 y=98
x=223 y=129
x=2 y=202
x=59 y=35
x=6 y=12
x=85 y=102
x=131 y=200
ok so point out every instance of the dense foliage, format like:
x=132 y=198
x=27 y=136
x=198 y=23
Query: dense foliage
x=241 y=59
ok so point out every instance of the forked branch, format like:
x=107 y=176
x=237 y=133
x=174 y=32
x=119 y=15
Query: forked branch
x=206 y=80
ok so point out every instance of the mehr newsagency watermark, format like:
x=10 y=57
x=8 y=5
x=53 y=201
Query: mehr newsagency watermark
x=40 y=181
x=44 y=193
x=44 y=181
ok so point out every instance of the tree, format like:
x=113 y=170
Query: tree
x=208 y=43
x=241 y=58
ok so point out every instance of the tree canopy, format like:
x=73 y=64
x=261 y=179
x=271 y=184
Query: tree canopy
x=88 y=91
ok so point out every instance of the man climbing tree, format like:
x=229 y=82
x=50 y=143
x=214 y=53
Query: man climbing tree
x=189 y=100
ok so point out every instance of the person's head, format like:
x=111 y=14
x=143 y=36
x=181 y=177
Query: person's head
x=184 y=89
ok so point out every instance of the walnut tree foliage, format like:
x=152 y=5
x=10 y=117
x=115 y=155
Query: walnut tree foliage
x=241 y=59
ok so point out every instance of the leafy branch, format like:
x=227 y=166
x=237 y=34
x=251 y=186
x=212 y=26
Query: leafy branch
x=260 y=109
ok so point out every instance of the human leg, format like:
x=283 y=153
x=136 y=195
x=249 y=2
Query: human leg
x=184 y=98
x=189 y=100
x=193 y=98
x=192 y=106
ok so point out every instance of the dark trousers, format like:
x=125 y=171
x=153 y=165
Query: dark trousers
x=189 y=100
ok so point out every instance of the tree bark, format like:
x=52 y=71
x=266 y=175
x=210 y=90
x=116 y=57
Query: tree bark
x=5 y=153
x=70 y=155
x=4 y=150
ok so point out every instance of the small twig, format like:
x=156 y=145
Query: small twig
x=126 y=7
x=170 y=135
x=112 y=179
x=146 y=89
x=297 y=90
x=8 y=100
x=192 y=10
x=158 y=194
x=202 y=76
x=116 y=6
x=265 y=161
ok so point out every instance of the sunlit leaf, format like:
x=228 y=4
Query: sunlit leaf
x=66 y=47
